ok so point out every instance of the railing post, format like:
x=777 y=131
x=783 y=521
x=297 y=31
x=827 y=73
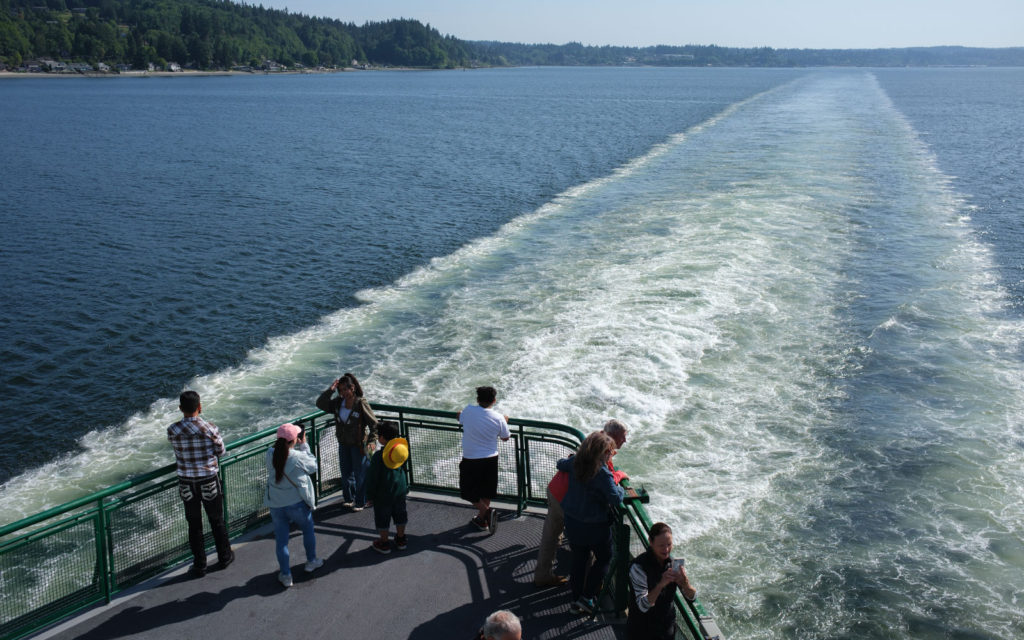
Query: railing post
x=620 y=597
x=521 y=470
x=314 y=446
x=403 y=431
x=103 y=547
x=222 y=470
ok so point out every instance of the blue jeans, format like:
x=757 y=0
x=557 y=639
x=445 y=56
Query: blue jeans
x=354 y=464
x=300 y=514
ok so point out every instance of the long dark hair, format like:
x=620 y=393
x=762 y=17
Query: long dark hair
x=591 y=455
x=280 y=457
x=358 y=390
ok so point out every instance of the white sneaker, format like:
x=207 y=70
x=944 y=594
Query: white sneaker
x=285 y=579
x=314 y=564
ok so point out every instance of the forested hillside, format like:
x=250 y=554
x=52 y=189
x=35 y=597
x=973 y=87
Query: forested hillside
x=208 y=34
x=221 y=34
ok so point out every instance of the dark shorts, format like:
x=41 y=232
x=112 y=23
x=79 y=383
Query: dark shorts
x=478 y=478
x=383 y=514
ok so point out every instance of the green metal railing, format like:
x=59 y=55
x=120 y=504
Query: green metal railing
x=82 y=553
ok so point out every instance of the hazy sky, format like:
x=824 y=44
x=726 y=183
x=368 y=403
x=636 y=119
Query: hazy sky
x=813 y=24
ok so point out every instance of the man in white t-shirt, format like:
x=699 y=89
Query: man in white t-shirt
x=482 y=427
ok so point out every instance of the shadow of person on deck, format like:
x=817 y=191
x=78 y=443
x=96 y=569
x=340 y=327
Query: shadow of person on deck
x=134 y=620
x=544 y=613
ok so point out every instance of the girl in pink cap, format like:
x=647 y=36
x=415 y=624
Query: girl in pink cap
x=290 y=496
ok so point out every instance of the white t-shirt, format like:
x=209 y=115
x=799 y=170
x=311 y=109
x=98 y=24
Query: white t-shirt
x=481 y=429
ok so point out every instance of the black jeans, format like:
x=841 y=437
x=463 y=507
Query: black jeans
x=586 y=538
x=204 y=495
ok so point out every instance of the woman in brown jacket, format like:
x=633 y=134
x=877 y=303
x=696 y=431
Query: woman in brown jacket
x=356 y=428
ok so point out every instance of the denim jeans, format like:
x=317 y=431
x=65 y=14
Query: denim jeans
x=354 y=464
x=300 y=514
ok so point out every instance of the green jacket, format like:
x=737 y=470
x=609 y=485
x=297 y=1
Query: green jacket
x=384 y=485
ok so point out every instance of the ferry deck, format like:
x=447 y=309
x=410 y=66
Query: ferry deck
x=443 y=585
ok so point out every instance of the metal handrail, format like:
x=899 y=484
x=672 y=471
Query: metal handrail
x=108 y=517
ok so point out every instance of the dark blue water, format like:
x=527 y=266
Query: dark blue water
x=968 y=118
x=801 y=289
x=162 y=228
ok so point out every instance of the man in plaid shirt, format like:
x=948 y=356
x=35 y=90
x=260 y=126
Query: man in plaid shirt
x=197 y=445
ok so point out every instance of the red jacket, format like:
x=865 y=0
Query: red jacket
x=560 y=483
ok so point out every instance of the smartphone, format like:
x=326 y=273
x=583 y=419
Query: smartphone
x=302 y=432
x=677 y=564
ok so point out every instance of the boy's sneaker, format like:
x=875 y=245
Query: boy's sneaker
x=381 y=547
x=401 y=542
x=582 y=606
x=285 y=579
x=492 y=520
x=478 y=523
x=348 y=504
x=357 y=507
x=314 y=564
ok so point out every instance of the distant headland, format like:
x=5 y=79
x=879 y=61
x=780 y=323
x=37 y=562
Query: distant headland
x=111 y=37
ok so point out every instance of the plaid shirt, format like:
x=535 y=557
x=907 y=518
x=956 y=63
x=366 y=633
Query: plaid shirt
x=197 y=445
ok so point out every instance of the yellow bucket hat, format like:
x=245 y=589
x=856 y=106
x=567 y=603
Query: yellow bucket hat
x=396 y=452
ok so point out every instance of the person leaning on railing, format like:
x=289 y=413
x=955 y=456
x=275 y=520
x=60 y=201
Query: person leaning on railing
x=588 y=507
x=482 y=428
x=554 y=521
x=356 y=429
x=654 y=578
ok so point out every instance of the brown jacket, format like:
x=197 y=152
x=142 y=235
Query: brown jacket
x=361 y=426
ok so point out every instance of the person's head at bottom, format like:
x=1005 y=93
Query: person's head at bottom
x=502 y=625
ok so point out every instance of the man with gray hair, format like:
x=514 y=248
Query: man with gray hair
x=501 y=625
x=543 y=575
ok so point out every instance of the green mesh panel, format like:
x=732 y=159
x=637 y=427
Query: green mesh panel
x=47 y=574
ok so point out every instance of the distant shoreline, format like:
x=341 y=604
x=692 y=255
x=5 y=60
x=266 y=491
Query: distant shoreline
x=165 y=74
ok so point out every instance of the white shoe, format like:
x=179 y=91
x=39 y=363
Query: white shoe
x=285 y=579
x=314 y=564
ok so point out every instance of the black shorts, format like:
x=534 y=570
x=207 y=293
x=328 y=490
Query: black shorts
x=478 y=478
x=383 y=514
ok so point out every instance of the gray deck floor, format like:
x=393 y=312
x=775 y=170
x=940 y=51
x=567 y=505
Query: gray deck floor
x=443 y=586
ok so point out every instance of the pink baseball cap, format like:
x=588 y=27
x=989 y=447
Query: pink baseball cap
x=288 y=431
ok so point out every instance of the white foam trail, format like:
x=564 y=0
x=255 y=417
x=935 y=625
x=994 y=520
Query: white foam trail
x=278 y=381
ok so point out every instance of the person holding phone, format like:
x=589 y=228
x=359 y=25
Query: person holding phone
x=290 y=496
x=655 y=576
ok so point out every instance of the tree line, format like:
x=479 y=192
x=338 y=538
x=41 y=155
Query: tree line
x=574 y=53
x=220 y=34
x=211 y=34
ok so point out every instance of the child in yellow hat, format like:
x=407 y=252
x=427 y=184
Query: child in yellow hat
x=387 y=487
